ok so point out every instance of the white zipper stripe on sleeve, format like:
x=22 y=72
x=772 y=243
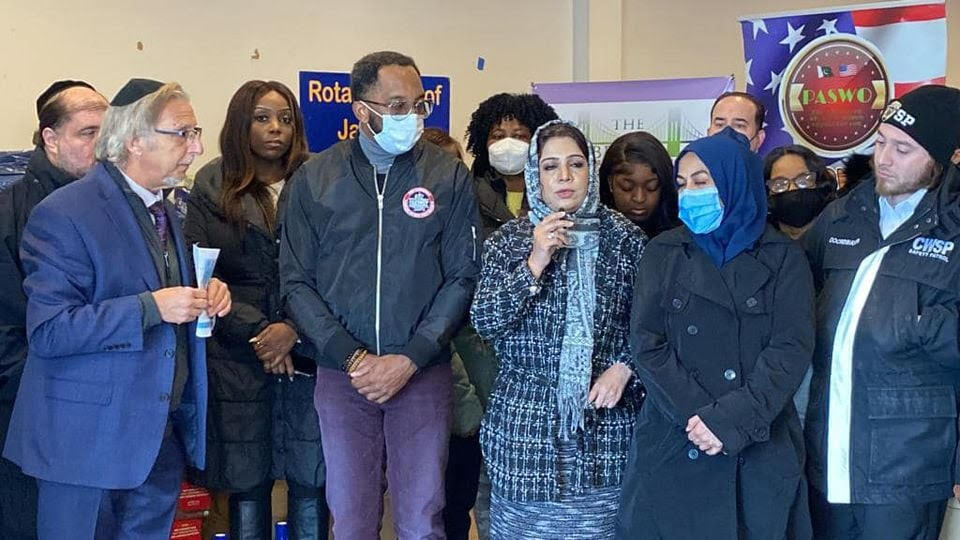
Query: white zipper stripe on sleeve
x=473 y=229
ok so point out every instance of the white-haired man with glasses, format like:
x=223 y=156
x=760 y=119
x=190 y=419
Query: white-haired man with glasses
x=378 y=262
x=112 y=402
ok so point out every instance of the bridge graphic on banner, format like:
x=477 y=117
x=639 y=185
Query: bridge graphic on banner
x=675 y=111
x=672 y=127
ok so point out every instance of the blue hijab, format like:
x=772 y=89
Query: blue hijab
x=738 y=174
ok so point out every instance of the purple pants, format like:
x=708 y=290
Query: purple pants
x=406 y=437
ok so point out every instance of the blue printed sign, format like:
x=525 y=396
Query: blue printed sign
x=326 y=100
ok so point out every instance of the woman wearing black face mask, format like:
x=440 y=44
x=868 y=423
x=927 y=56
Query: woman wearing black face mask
x=799 y=187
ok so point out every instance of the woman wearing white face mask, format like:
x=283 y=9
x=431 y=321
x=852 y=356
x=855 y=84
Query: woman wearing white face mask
x=499 y=138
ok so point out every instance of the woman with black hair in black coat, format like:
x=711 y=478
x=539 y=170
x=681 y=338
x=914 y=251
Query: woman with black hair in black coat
x=261 y=424
x=636 y=178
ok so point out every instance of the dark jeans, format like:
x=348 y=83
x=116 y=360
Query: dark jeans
x=402 y=442
x=921 y=521
x=462 y=481
x=18 y=492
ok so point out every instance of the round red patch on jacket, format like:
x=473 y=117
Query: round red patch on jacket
x=419 y=203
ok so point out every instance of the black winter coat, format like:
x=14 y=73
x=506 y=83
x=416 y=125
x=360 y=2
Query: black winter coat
x=906 y=355
x=492 y=200
x=258 y=425
x=730 y=345
x=17 y=200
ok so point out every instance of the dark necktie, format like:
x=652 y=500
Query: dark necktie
x=160 y=223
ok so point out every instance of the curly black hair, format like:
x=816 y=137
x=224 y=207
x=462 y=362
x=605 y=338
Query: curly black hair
x=528 y=109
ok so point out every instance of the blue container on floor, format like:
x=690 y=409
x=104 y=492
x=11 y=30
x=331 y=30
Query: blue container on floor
x=280 y=531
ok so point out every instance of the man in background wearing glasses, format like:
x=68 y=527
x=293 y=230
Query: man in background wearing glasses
x=378 y=264
x=112 y=402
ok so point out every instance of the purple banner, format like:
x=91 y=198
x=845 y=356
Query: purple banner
x=650 y=90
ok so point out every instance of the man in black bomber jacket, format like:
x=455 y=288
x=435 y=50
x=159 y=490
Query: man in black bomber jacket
x=378 y=264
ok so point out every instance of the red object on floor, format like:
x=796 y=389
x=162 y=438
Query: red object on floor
x=192 y=506
x=187 y=529
x=193 y=499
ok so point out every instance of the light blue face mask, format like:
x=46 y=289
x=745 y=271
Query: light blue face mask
x=701 y=210
x=399 y=133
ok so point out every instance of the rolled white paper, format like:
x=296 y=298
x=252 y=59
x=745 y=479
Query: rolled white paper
x=204 y=259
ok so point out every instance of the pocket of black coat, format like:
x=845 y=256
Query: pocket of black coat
x=913 y=435
x=901 y=311
x=656 y=440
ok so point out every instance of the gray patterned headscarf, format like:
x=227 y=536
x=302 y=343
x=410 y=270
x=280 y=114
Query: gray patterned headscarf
x=576 y=350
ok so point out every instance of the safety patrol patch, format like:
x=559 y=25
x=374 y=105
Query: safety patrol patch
x=932 y=248
x=419 y=203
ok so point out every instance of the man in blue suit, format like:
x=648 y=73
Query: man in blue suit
x=112 y=401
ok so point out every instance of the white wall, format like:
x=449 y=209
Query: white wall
x=207 y=45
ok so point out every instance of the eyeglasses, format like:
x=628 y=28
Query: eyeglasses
x=421 y=107
x=190 y=134
x=781 y=184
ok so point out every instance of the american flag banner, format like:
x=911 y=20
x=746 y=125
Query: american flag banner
x=826 y=76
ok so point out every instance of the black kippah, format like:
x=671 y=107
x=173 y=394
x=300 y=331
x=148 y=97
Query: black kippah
x=55 y=88
x=134 y=90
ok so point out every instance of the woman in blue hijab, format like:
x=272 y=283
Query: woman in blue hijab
x=721 y=334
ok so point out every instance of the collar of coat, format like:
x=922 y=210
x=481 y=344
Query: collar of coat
x=208 y=186
x=745 y=275
x=46 y=174
x=940 y=206
x=492 y=197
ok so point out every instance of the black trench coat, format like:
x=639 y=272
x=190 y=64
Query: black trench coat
x=730 y=345
x=259 y=426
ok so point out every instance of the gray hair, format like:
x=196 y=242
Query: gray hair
x=122 y=124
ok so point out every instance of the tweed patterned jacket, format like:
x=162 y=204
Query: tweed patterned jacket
x=525 y=326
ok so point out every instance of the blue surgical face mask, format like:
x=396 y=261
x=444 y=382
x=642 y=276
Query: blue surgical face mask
x=399 y=133
x=701 y=210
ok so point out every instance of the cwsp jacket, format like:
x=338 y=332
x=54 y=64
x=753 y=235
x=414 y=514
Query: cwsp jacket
x=906 y=359
x=389 y=266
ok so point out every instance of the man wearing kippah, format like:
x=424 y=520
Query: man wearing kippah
x=112 y=400
x=69 y=114
x=881 y=427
